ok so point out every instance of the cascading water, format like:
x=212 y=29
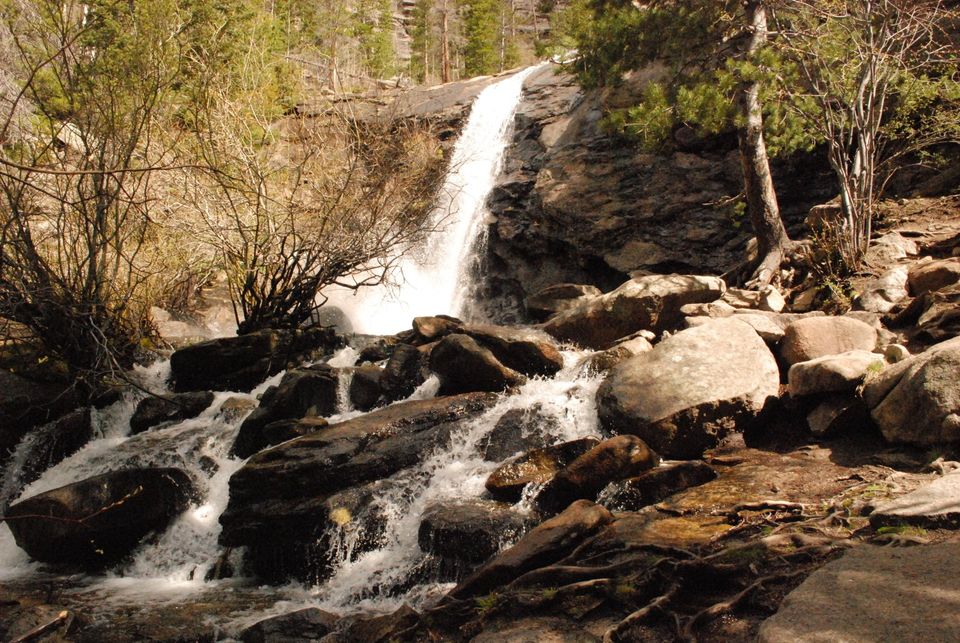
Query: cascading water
x=435 y=280
x=366 y=578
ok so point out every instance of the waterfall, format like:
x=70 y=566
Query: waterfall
x=436 y=279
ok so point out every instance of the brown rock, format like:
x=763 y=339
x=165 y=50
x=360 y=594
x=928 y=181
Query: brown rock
x=813 y=337
x=655 y=485
x=464 y=366
x=928 y=276
x=537 y=466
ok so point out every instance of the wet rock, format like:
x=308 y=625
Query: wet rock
x=612 y=460
x=874 y=594
x=839 y=373
x=557 y=298
x=463 y=366
x=406 y=369
x=241 y=363
x=545 y=544
x=303 y=392
x=234 y=408
x=934 y=506
x=377 y=629
x=655 y=485
x=883 y=293
x=280 y=493
x=537 y=467
x=526 y=351
x=378 y=351
x=468 y=532
x=518 y=430
x=430 y=329
x=153 y=411
x=813 y=337
x=301 y=626
x=25 y=404
x=691 y=389
x=928 y=276
x=838 y=414
x=917 y=401
x=365 y=389
x=93 y=523
x=622 y=351
x=643 y=303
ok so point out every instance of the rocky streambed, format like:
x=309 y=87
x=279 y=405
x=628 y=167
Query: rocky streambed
x=675 y=479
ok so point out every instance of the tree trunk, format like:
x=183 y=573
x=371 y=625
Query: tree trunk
x=772 y=239
x=445 y=45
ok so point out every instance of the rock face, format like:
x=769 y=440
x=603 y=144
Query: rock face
x=814 y=337
x=840 y=373
x=241 y=363
x=643 y=303
x=537 y=466
x=93 y=523
x=152 y=411
x=278 y=500
x=691 y=389
x=917 y=401
x=610 y=461
x=546 y=544
x=303 y=392
x=576 y=205
x=463 y=366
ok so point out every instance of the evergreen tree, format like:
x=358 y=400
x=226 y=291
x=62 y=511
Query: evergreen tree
x=482 y=32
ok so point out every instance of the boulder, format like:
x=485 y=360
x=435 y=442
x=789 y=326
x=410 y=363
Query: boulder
x=153 y=410
x=837 y=414
x=940 y=319
x=235 y=408
x=430 y=329
x=917 y=401
x=526 y=351
x=241 y=363
x=365 y=388
x=812 y=337
x=928 y=276
x=466 y=533
x=25 y=404
x=302 y=626
x=464 y=366
x=768 y=299
x=935 y=505
x=880 y=295
x=557 y=298
x=376 y=629
x=644 y=303
x=623 y=456
x=406 y=369
x=538 y=466
x=655 y=485
x=841 y=373
x=93 y=523
x=622 y=351
x=691 y=389
x=516 y=431
x=546 y=544
x=303 y=392
x=280 y=493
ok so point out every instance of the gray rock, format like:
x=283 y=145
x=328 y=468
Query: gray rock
x=839 y=373
x=814 y=337
x=643 y=303
x=463 y=366
x=917 y=401
x=622 y=351
x=872 y=593
x=935 y=506
x=691 y=389
x=527 y=351
x=430 y=329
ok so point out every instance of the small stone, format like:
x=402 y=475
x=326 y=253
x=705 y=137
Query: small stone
x=896 y=353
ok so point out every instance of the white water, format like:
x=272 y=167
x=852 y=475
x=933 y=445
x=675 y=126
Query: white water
x=436 y=279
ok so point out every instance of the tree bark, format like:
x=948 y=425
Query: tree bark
x=772 y=238
x=445 y=45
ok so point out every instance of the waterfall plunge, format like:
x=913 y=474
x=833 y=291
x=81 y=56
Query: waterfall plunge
x=435 y=279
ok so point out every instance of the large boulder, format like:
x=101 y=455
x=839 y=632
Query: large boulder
x=644 y=303
x=365 y=389
x=691 y=389
x=463 y=366
x=516 y=431
x=839 y=373
x=241 y=363
x=917 y=401
x=538 y=466
x=526 y=351
x=406 y=369
x=280 y=494
x=546 y=544
x=463 y=534
x=813 y=337
x=928 y=276
x=93 y=523
x=621 y=457
x=880 y=295
x=25 y=404
x=153 y=411
x=431 y=329
x=303 y=392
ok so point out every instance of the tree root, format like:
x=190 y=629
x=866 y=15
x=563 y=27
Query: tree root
x=613 y=635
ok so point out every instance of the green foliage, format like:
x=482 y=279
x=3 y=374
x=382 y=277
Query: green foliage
x=421 y=45
x=482 y=30
x=486 y=603
x=373 y=27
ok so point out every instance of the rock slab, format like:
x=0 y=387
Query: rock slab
x=935 y=506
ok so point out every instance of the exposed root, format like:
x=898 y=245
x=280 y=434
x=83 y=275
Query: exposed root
x=657 y=605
